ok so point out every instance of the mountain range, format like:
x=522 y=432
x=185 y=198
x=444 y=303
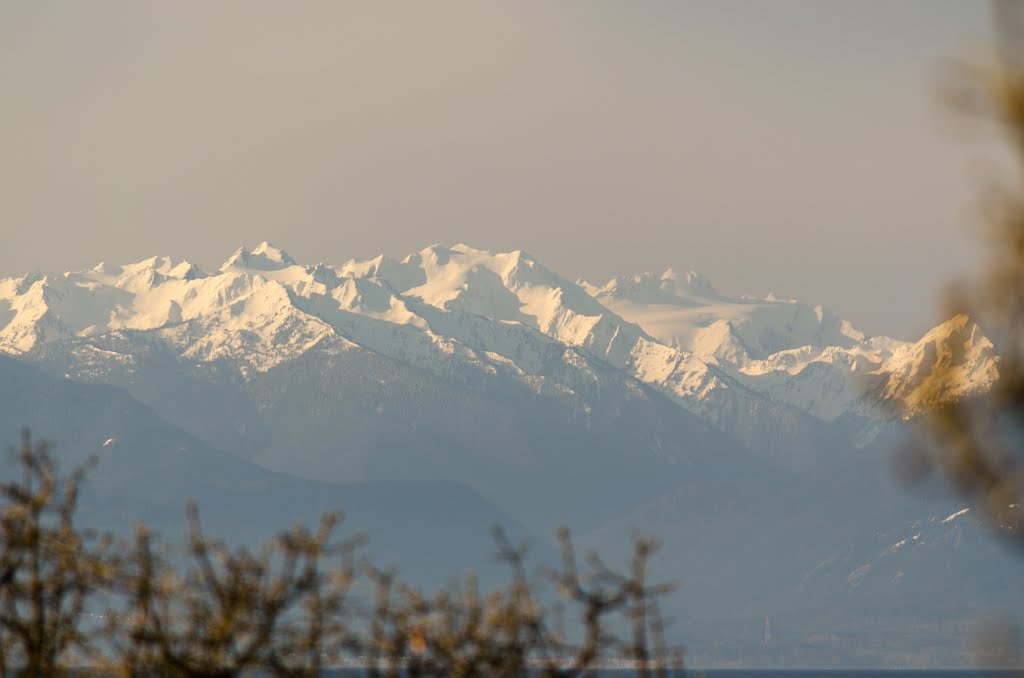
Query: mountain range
x=456 y=388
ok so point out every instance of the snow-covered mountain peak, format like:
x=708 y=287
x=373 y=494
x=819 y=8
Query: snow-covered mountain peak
x=508 y=287
x=23 y=284
x=237 y=260
x=275 y=254
x=367 y=268
x=454 y=261
x=265 y=257
x=492 y=311
x=139 y=277
x=952 y=361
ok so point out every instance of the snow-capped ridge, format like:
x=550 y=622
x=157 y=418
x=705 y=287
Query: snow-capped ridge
x=505 y=311
x=265 y=257
x=789 y=352
x=165 y=266
x=23 y=284
x=678 y=310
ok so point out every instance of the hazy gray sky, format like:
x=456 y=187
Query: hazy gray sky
x=784 y=146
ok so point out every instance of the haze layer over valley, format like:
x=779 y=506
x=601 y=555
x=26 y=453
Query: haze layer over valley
x=465 y=386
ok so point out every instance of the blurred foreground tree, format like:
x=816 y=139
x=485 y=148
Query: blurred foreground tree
x=978 y=443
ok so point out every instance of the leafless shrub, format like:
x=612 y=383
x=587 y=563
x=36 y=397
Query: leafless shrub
x=511 y=632
x=278 y=609
x=287 y=609
x=48 y=568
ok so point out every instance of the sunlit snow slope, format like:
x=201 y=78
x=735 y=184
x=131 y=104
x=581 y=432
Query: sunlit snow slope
x=455 y=309
x=794 y=353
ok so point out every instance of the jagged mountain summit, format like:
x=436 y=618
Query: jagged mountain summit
x=463 y=310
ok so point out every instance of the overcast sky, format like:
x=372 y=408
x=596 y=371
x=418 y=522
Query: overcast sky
x=792 y=147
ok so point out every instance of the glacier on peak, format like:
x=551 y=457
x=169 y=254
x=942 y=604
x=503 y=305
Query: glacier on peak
x=668 y=288
x=677 y=310
x=445 y=307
